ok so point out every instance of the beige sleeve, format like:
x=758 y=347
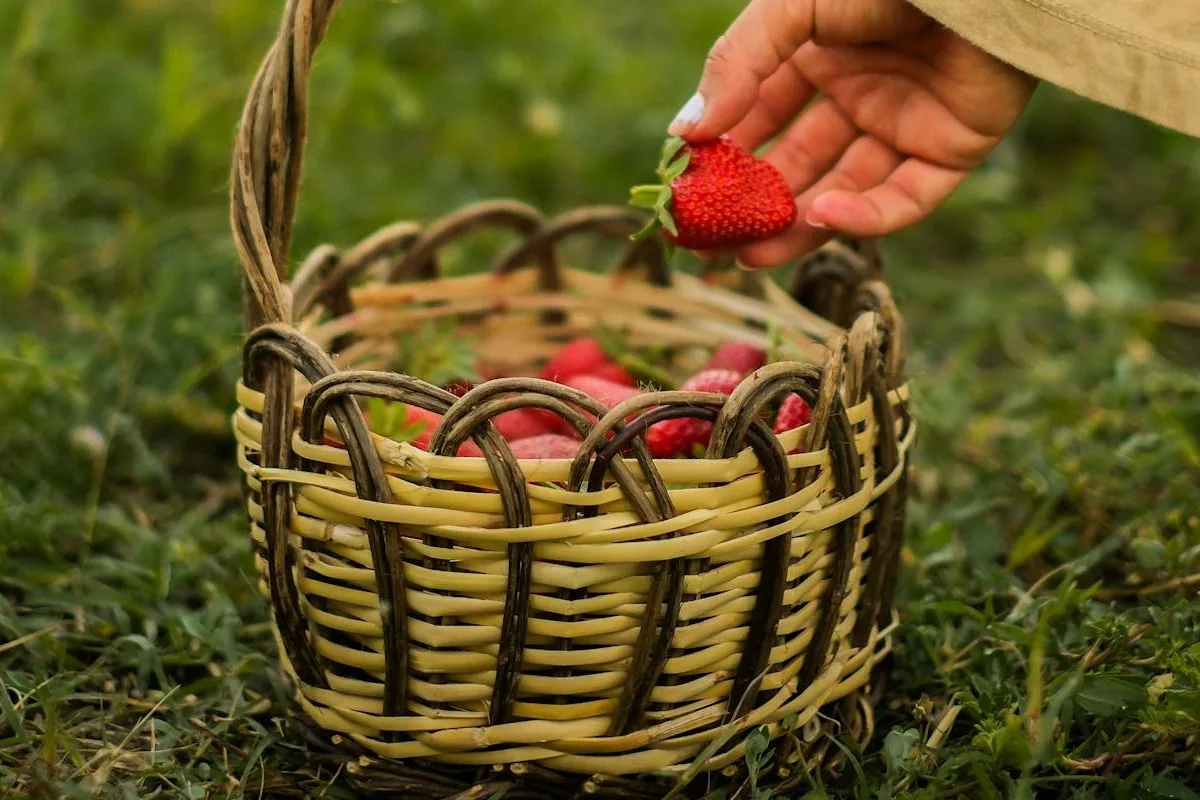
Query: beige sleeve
x=1141 y=56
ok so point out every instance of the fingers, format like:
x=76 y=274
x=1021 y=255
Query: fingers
x=780 y=99
x=901 y=110
x=863 y=196
x=812 y=145
x=864 y=165
x=764 y=36
x=908 y=195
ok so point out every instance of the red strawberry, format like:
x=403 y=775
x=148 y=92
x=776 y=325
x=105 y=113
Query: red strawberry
x=741 y=357
x=715 y=195
x=614 y=372
x=607 y=393
x=428 y=420
x=795 y=412
x=577 y=357
x=552 y=422
x=522 y=423
x=548 y=445
x=676 y=437
x=469 y=449
x=720 y=381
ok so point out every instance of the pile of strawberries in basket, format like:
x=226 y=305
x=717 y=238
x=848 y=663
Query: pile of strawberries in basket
x=585 y=365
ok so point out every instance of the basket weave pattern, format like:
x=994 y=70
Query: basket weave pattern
x=608 y=615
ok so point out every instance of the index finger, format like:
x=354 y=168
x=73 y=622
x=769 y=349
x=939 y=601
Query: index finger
x=765 y=35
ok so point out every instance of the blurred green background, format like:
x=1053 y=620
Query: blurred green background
x=1049 y=595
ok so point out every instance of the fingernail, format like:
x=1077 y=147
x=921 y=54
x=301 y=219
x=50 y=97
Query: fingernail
x=810 y=217
x=743 y=267
x=688 y=116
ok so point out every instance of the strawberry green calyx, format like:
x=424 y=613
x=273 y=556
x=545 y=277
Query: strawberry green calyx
x=658 y=196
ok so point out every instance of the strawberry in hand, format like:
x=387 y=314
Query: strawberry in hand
x=715 y=196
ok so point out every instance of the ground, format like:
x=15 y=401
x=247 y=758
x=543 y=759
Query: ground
x=1048 y=603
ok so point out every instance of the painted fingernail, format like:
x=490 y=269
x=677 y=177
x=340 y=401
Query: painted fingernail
x=810 y=217
x=688 y=116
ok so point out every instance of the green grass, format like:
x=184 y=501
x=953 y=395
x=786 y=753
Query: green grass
x=1049 y=596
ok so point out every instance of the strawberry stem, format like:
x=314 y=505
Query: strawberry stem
x=658 y=196
x=647 y=196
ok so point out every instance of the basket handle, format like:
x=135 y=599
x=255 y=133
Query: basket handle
x=268 y=154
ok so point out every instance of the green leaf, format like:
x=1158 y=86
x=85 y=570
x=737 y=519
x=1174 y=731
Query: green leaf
x=671 y=147
x=647 y=230
x=1110 y=696
x=677 y=169
x=647 y=196
x=955 y=608
x=1032 y=541
x=664 y=217
x=14 y=720
x=1162 y=786
x=391 y=420
x=898 y=747
x=437 y=353
x=756 y=745
x=1008 y=632
x=853 y=758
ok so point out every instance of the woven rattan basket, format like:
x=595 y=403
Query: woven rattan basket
x=607 y=625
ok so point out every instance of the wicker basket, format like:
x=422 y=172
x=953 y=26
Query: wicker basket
x=465 y=625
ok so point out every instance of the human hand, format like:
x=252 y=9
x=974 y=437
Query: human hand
x=903 y=110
